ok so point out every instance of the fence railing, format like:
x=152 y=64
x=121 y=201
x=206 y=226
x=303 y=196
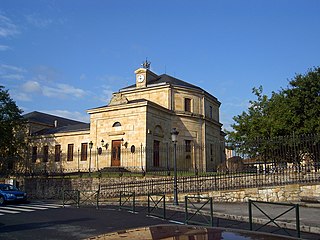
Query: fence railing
x=196 y=210
x=127 y=200
x=282 y=210
x=157 y=205
x=266 y=156
x=213 y=182
x=80 y=197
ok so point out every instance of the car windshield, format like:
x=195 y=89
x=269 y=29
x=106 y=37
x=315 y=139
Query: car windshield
x=8 y=188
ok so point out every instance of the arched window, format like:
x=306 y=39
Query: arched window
x=116 y=124
x=158 y=131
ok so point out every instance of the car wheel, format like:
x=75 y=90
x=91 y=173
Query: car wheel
x=1 y=200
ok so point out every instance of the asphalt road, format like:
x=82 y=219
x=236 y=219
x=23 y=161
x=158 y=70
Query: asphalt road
x=42 y=220
x=67 y=223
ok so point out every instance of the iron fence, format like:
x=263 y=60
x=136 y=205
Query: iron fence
x=214 y=182
x=282 y=212
x=281 y=156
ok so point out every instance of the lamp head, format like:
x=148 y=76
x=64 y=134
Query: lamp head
x=174 y=134
x=90 y=144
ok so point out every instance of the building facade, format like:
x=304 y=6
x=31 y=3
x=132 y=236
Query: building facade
x=134 y=131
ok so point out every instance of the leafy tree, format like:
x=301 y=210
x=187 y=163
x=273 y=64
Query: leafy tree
x=253 y=123
x=292 y=111
x=11 y=129
x=295 y=109
x=303 y=99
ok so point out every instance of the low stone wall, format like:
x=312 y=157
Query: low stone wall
x=287 y=193
x=51 y=188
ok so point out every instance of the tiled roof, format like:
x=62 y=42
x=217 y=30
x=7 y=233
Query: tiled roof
x=65 y=129
x=47 y=119
x=167 y=79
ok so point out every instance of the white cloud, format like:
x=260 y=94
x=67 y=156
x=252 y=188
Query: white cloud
x=70 y=115
x=31 y=87
x=7 y=27
x=12 y=77
x=9 y=72
x=4 y=48
x=21 y=96
x=63 y=91
x=5 y=67
x=106 y=94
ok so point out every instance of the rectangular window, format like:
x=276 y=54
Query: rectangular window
x=188 y=145
x=57 y=151
x=211 y=152
x=70 y=152
x=187 y=105
x=84 y=151
x=34 y=154
x=211 y=112
x=45 y=153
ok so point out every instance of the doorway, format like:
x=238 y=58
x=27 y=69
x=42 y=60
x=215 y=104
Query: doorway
x=116 y=153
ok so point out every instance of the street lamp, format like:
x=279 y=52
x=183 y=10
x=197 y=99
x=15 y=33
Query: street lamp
x=174 y=135
x=90 y=147
x=104 y=145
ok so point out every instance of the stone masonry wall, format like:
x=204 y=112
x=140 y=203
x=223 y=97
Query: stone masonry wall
x=287 y=193
x=53 y=189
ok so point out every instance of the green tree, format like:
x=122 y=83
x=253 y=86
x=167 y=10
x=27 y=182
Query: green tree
x=303 y=101
x=254 y=122
x=291 y=111
x=295 y=109
x=11 y=130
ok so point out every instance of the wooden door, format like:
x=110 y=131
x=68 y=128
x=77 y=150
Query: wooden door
x=156 y=155
x=116 y=153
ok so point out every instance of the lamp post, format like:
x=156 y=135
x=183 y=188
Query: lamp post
x=174 y=135
x=90 y=147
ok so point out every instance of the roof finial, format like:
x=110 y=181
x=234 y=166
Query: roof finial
x=146 y=64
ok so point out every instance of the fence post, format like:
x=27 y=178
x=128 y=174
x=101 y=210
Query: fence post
x=134 y=201
x=98 y=193
x=78 y=198
x=298 y=220
x=63 y=198
x=250 y=214
x=149 y=203
x=164 y=206
x=186 y=208
x=211 y=212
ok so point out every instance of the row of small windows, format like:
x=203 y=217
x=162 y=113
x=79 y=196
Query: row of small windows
x=57 y=153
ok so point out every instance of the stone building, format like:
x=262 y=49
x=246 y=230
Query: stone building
x=134 y=130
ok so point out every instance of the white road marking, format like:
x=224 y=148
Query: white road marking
x=14 y=209
x=17 y=208
x=36 y=207
x=8 y=211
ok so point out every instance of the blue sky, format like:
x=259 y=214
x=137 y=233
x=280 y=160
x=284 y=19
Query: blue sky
x=64 y=57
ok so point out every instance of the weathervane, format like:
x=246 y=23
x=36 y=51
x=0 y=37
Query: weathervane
x=146 y=64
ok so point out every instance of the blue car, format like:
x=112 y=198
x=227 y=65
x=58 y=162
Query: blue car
x=9 y=193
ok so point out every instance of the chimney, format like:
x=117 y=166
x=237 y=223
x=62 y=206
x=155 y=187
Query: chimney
x=55 y=123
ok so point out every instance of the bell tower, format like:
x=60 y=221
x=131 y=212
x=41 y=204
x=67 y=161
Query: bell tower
x=144 y=75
